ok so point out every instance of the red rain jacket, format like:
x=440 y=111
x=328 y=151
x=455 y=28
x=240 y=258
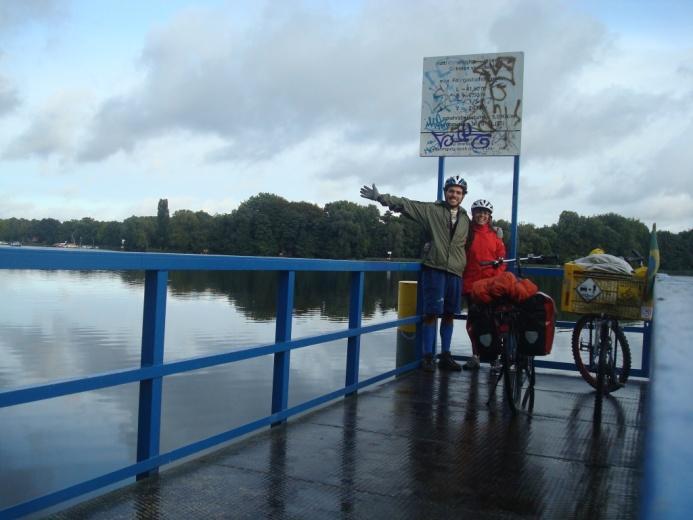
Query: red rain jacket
x=506 y=285
x=485 y=246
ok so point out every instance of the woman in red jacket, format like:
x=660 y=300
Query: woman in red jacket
x=485 y=244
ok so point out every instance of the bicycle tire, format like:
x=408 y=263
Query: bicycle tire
x=528 y=399
x=583 y=339
x=601 y=367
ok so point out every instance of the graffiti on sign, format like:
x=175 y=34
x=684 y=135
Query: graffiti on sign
x=472 y=105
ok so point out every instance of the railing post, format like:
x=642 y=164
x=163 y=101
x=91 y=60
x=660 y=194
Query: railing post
x=646 y=348
x=419 y=311
x=153 y=326
x=514 y=241
x=354 y=342
x=285 y=305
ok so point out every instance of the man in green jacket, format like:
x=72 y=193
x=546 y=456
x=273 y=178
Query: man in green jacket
x=447 y=226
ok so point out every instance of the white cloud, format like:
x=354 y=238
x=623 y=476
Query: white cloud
x=53 y=130
x=9 y=98
x=299 y=73
x=18 y=14
x=312 y=100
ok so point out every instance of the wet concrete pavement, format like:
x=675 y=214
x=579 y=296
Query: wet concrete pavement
x=421 y=446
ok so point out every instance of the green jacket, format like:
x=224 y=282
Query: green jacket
x=446 y=252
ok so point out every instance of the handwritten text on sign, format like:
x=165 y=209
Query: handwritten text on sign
x=472 y=105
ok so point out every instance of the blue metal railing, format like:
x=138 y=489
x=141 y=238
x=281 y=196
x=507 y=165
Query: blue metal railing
x=152 y=368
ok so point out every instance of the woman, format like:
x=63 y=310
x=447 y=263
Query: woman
x=484 y=245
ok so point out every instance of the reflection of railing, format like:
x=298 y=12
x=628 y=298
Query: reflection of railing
x=153 y=369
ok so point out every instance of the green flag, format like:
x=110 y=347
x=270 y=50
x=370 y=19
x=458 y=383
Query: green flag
x=652 y=263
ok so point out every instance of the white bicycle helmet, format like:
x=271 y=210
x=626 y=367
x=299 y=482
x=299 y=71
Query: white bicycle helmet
x=482 y=204
x=456 y=180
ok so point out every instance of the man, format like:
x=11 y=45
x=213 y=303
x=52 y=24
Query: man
x=446 y=225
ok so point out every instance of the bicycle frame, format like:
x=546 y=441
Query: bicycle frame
x=606 y=354
x=515 y=366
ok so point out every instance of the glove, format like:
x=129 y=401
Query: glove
x=370 y=193
x=499 y=232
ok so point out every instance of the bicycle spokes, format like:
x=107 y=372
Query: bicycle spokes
x=586 y=348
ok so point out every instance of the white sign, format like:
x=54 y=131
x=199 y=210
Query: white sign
x=588 y=290
x=472 y=105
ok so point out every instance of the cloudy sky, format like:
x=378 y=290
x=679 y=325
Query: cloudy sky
x=107 y=106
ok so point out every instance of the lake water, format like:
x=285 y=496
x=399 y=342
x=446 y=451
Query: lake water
x=57 y=325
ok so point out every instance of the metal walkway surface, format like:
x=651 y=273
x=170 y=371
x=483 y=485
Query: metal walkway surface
x=421 y=446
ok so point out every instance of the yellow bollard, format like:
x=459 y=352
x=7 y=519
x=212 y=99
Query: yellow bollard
x=406 y=334
x=406 y=303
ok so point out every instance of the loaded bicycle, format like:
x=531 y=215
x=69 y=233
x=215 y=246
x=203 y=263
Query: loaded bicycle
x=522 y=328
x=600 y=348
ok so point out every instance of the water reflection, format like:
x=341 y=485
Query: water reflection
x=254 y=293
x=65 y=324
x=603 y=451
x=277 y=474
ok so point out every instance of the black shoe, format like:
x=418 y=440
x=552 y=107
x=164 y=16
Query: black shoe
x=447 y=363
x=472 y=363
x=427 y=364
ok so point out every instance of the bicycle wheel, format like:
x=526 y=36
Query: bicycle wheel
x=515 y=373
x=528 y=399
x=586 y=354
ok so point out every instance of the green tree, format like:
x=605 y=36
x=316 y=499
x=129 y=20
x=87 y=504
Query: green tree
x=46 y=231
x=306 y=221
x=351 y=231
x=162 y=224
x=532 y=240
x=190 y=231
x=267 y=224
x=109 y=234
x=138 y=232
x=17 y=229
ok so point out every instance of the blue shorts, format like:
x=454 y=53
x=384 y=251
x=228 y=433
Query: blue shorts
x=442 y=292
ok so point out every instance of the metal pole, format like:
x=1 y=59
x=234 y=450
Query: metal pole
x=513 y=225
x=354 y=342
x=441 y=174
x=646 y=348
x=153 y=327
x=285 y=305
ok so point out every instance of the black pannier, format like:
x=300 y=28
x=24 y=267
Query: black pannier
x=537 y=324
x=482 y=332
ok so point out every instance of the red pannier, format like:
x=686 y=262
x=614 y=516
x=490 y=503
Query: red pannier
x=482 y=332
x=537 y=324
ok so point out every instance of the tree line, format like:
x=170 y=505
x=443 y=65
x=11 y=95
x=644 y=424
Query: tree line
x=269 y=225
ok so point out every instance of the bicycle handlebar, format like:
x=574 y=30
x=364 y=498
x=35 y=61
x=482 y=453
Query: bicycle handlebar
x=530 y=257
x=637 y=257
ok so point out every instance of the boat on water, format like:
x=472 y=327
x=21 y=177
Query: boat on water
x=16 y=244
